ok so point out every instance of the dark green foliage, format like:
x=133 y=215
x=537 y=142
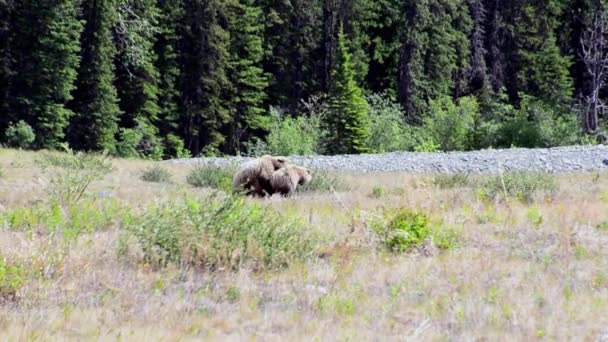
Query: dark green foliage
x=346 y=124
x=95 y=124
x=206 y=86
x=46 y=57
x=172 y=78
x=246 y=75
x=137 y=77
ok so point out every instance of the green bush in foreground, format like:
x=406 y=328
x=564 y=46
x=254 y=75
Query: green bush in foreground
x=11 y=279
x=221 y=233
x=156 y=174
x=521 y=185
x=403 y=230
x=215 y=177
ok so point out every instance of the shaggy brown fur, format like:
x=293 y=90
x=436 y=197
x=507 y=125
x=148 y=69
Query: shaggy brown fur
x=253 y=177
x=286 y=180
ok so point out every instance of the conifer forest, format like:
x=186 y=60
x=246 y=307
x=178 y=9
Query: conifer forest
x=162 y=79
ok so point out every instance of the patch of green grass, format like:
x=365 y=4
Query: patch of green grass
x=215 y=177
x=520 y=185
x=450 y=181
x=403 y=230
x=70 y=222
x=156 y=174
x=324 y=181
x=377 y=192
x=221 y=233
x=11 y=279
x=446 y=237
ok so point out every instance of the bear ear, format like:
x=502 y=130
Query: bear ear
x=281 y=159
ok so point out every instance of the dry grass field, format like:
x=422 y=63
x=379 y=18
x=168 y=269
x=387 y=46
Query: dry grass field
x=527 y=265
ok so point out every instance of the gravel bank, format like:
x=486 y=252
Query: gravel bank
x=554 y=160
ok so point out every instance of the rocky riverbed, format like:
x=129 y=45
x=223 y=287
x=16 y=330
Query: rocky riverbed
x=554 y=160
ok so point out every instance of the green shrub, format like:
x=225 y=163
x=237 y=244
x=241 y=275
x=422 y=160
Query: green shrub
x=139 y=142
x=451 y=125
x=289 y=136
x=446 y=237
x=521 y=185
x=389 y=131
x=221 y=233
x=324 y=181
x=156 y=174
x=209 y=176
x=20 y=135
x=377 y=192
x=403 y=230
x=449 y=181
x=70 y=174
x=11 y=279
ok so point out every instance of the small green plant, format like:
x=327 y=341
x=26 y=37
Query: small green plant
x=535 y=216
x=324 y=181
x=156 y=174
x=603 y=227
x=70 y=174
x=427 y=145
x=11 y=280
x=520 y=185
x=377 y=192
x=220 y=232
x=20 y=135
x=451 y=180
x=446 y=237
x=214 y=177
x=403 y=230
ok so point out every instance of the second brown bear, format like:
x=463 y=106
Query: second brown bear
x=285 y=181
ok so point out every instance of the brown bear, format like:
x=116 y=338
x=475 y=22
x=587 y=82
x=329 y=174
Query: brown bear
x=253 y=177
x=286 y=180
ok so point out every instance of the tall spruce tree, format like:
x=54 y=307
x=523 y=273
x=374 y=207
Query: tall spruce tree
x=95 y=100
x=7 y=12
x=347 y=123
x=137 y=78
x=542 y=71
x=47 y=47
x=167 y=50
x=246 y=75
x=205 y=86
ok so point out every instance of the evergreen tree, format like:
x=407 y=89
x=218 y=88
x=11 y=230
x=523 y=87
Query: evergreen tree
x=205 y=85
x=292 y=38
x=347 y=124
x=542 y=72
x=246 y=76
x=137 y=77
x=7 y=11
x=95 y=100
x=167 y=50
x=47 y=45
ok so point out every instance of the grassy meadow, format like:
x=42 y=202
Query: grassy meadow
x=110 y=249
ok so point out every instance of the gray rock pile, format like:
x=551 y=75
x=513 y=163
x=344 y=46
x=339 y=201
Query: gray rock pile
x=554 y=160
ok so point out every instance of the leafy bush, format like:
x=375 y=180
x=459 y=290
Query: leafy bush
x=403 y=230
x=11 y=279
x=156 y=174
x=451 y=125
x=290 y=136
x=389 y=131
x=220 y=233
x=70 y=174
x=323 y=181
x=139 y=142
x=210 y=176
x=522 y=185
x=20 y=135
x=449 y=181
